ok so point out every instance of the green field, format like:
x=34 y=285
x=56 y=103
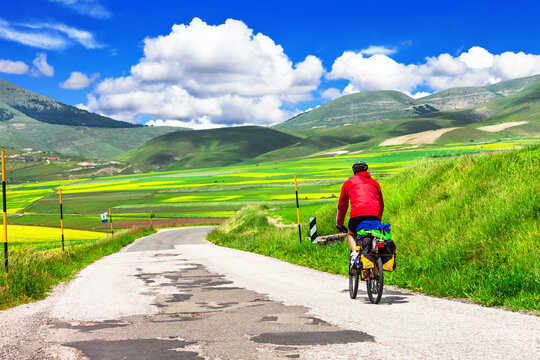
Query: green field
x=209 y=193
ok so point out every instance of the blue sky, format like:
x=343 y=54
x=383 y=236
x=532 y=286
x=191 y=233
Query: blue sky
x=222 y=73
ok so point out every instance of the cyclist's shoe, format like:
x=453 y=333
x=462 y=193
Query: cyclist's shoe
x=354 y=257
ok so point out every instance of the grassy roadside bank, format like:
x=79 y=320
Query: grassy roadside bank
x=33 y=274
x=466 y=227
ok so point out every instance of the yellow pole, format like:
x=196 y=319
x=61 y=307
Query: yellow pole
x=61 y=218
x=4 y=203
x=110 y=217
x=297 y=208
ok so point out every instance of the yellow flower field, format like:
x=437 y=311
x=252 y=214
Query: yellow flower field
x=46 y=237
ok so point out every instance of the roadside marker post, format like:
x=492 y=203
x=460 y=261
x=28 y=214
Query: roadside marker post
x=312 y=228
x=110 y=217
x=4 y=203
x=61 y=218
x=104 y=217
x=151 y=217
x=297 y=208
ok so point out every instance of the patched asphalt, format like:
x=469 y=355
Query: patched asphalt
x=201 y=315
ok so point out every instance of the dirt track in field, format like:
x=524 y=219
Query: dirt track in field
x=424 y=137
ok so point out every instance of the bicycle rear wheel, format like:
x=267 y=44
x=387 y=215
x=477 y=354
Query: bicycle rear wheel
x=375 y=283
x=353 y=284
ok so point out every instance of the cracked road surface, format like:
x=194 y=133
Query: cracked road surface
x=173 y=295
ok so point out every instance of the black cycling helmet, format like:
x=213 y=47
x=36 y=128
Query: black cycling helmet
x=359 y=166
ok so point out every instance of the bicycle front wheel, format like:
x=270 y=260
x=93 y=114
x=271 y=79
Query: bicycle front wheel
x=353 y=285
x=375 y=283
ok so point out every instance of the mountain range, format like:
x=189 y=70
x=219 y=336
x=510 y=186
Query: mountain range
x=379 y=105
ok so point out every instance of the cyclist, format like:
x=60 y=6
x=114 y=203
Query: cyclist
x=366 y=200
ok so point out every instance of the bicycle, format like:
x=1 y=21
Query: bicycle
x=379 y=245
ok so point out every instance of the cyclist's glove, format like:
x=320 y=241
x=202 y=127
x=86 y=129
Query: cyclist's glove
x=342 y=228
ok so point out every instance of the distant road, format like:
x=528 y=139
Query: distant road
x=173 y=295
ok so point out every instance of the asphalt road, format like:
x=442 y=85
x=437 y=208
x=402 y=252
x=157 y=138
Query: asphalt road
x=172 y=295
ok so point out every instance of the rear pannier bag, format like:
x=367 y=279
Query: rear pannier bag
x=388 y=253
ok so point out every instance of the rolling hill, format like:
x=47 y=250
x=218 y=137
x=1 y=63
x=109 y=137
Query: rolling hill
x=520 y=112
x=380 y=105
x=205 y=148
x=32 y=120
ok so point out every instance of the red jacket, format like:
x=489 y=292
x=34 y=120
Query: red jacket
x=365 y=196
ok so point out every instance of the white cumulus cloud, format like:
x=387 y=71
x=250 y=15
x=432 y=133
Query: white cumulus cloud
x=13 y=67
x=419 y=94
x=331 y=93
x=197 y=124
x=374 y=72
x=476 y=67
x=41 y=67
x=224 y=74
x=78 y=80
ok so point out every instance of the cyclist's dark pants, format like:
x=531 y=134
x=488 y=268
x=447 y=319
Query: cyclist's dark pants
x=355 y=221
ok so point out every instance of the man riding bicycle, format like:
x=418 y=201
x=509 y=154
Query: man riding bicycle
x=366 y=200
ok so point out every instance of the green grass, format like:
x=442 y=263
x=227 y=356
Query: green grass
x=33 y=274
x=465 y=227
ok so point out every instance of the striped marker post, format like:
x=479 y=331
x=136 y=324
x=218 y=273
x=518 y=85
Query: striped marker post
x=312 y=228
x=110 y=218
x=297 y=209
x=4 y=203
x=62 y=218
